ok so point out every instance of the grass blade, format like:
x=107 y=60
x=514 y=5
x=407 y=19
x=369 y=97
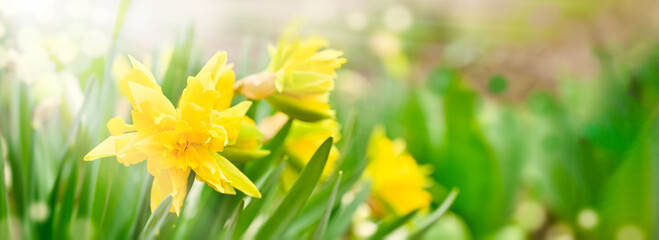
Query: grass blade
x=228 y=206
x=252 y=210
x=425 y=226
x=341 y=221
x=298 y=194
x=5 y=228
x=385 y=228
x=174 y=81
x=228 y=234
x=316 y=205
x=158 y=217
x=119 y=21
x=324 y=220
x=256 y=169
x=143 y=208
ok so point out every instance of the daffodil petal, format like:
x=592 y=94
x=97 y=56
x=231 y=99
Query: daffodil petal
x=148 y=122
x=224 y=86
x=137 y=65
x=199 y=91
x=237 y=178
x=117 y=126
x=170 y=181
x=104 y=149
x=307 y=83
x=222 y=77
x=136 y=77
x=236 y=111
x=211 y=174
x=160 y=188
x=159 y=102
x=326 y=62
x=130 y=154
x=112 y=145
x=228 y=189
x=214 y=64
x=231 y=119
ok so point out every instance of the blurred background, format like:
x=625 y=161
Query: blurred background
x=542 y=112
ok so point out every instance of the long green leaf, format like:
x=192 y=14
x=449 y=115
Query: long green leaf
x=464 y=146
x=142 y=208
x=5 y=228
x=340 y=223
x=175 y=78
x=319 y=232
x=425 y=226
x=228 y=207
x=65 y=200
x=297 y=195
x=19 y=147
x=385 y=228
x=256 y=169
x=158 y=217
x=268 y=191
x=228 y=233
x=103 y=190
x=119 y=21
x=315 y=206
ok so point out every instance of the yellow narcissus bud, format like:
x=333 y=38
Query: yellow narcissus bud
x=257 y=86
x=398 y=181
x=248 y=145
x=298 y=79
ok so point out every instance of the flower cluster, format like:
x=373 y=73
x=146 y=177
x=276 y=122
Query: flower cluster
x=203 y=134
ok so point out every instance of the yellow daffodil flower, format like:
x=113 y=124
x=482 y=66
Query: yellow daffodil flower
x=175 y=141
x=298 y=79
x=398 y=181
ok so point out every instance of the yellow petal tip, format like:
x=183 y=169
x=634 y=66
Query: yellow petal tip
x=257 y=195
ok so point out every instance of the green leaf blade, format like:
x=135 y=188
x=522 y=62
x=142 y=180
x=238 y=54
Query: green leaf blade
x=439 y=212
x=340 y=223
x=297 y=195
x=324 y=220
x=158 y=217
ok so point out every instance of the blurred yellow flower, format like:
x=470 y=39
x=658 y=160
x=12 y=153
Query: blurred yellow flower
x=175 y=141
x=398 y=181
x=298 y=79
x=302 y=141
